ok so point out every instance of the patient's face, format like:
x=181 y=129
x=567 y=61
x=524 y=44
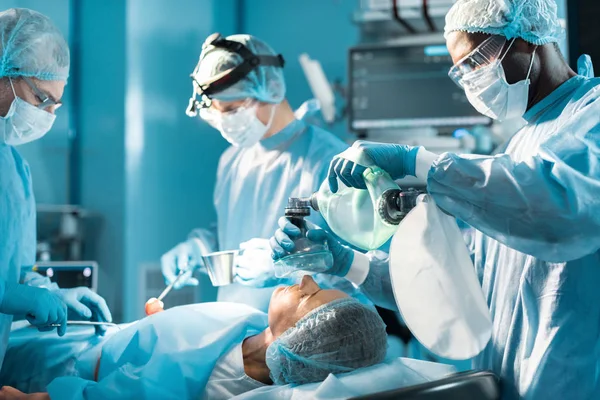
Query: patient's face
x=289 y=304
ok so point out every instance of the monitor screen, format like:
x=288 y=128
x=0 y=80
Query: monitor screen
x=69 y=274
x=404 y=86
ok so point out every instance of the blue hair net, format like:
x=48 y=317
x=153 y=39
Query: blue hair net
x=264 y=84
x=30 y=45
x=535 y=21
x=337 y=337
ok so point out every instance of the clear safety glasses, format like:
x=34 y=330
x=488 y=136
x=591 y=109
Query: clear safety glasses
x=485 y=54
x=230 y=120
x=45 y=100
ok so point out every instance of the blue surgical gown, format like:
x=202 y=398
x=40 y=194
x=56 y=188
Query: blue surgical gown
x=253 y=187
x=17 y=226
x=536 y=212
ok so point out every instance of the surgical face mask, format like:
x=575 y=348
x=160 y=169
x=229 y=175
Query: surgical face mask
x=489 y=92
x=24 y=122
x=240 y=127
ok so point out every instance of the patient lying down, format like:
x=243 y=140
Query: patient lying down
x=219 y=350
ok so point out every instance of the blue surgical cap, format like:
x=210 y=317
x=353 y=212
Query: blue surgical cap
x=264 y=84
x=337 y=337
x=30 y=45
x=535 y=21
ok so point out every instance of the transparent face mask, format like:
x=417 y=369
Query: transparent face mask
x=485 y=54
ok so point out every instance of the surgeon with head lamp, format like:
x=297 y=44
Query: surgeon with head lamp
x=239 y=89
x=34 y=67
x=534 y=206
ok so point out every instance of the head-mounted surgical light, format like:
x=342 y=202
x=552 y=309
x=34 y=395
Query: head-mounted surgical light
x=230 y=77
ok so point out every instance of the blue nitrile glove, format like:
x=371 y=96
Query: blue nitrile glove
x=396 y=159
x=40 y=306
x=83 y=304
x=185 y=256
x=283 y=243
x=254 y=265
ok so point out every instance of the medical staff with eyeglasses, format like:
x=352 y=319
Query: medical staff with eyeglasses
x=239 y=89
x=535 y=206
x=34 y=67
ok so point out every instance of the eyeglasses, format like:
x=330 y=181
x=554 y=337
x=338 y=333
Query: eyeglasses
x=45 y=100
x=212 y=115
x=486 y=53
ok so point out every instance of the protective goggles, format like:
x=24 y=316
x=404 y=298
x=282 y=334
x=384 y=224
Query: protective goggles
x=226 y=79
x=215 y=117
x=485 y=54
x=45 y=100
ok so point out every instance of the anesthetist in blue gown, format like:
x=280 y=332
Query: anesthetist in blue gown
x=535 y=207
x=273 y=156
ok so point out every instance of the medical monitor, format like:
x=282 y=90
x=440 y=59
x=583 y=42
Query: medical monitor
x=70 y=274
x=405 y=84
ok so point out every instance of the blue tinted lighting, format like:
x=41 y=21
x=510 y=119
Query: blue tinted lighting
x=436 y=51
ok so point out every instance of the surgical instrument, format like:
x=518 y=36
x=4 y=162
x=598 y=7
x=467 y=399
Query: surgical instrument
x=94 y=323
x=154 y=305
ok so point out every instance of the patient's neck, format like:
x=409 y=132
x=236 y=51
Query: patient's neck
x=254 y=350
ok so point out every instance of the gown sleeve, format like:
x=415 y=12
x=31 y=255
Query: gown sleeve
x=547 y=206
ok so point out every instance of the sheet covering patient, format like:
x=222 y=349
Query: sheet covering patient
x=218 y=350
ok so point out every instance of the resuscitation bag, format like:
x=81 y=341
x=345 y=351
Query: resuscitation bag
x=435 y=284
x=353 y=214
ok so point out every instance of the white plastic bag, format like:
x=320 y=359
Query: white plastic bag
x=435 y=284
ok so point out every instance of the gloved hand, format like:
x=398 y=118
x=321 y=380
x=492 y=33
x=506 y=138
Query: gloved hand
x=283 y=243
x=30 y=278
x=185 y=256
x=254 y=265
x=396 y=159
x=40 y=306
x=83 y=304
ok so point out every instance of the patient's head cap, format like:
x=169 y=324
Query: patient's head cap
x=337 y=337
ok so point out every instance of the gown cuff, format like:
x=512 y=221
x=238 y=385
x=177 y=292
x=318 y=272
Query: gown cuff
x=359 y=269
x=423 y=164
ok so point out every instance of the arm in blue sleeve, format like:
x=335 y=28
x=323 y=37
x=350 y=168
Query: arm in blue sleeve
x=378 y=284
x=370 y=272
x=545 y=206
